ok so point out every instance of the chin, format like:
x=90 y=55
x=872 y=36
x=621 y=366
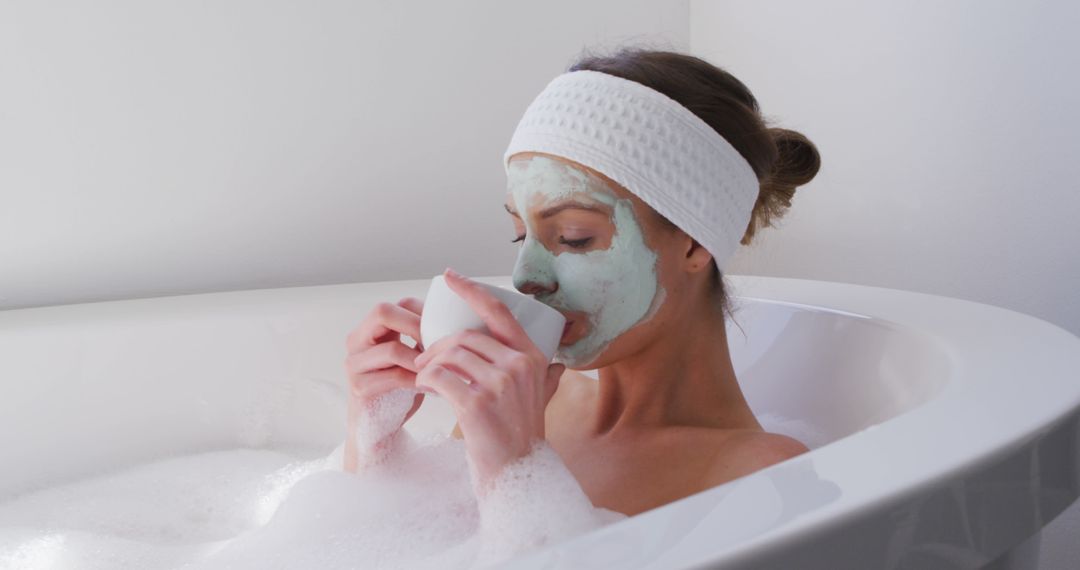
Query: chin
x=576 y=363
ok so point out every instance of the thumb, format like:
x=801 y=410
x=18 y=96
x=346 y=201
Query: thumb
x=554 y=374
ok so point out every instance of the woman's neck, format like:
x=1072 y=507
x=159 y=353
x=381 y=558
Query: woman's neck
x=681 y=379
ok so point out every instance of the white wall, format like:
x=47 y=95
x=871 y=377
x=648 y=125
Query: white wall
x=948 y=133
x=157 y=148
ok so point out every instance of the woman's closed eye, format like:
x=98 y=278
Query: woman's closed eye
x=574 y=243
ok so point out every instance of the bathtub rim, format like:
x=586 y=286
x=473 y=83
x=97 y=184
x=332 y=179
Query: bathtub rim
x=936 y=316
x=879 y=302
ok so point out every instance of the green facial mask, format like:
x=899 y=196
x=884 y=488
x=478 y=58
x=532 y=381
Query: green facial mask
x=616 y=287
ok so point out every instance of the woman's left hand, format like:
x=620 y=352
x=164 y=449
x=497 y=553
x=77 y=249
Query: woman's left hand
x=499 y=384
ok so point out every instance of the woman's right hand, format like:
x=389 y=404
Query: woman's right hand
x=381 y=379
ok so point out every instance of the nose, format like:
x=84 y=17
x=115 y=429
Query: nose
x=533 y=271
x=534 y=288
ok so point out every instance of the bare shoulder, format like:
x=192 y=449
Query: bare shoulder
x=745 y=452
x=776 y=447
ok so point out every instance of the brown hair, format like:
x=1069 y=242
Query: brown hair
x=782 y=159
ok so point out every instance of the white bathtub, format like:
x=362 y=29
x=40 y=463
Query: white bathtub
x=953 y=427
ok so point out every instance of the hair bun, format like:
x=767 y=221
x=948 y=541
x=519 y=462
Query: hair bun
x=797 y=162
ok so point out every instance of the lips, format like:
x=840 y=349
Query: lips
x=565 y=331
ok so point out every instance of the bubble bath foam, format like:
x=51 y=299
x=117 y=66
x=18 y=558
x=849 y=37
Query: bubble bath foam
x=258 y=509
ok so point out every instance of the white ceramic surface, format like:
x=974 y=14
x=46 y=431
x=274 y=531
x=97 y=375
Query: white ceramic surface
x=446 y=313
x=953 y=427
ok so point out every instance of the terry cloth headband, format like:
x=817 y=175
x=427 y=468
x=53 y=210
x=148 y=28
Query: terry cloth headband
x=652 y=146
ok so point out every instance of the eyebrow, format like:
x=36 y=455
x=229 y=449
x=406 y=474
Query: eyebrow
x=565 y=206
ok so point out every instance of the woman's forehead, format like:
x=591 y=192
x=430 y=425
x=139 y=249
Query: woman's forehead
x=594 y=180
x=545 y=206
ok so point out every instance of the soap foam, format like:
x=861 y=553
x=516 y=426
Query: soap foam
x=414 y=505
x=158 y=515
x=245 y=508
x=533 y=502
x=383 y=416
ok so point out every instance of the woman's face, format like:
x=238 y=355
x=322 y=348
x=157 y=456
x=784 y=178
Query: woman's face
x=584 y=251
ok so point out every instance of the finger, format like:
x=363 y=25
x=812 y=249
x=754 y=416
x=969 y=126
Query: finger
x=495 y=314
x=476 y=341
x=447 y=384
x=382 y=355
x=413 y=304
x=468 y=365
x=370 y=384
x=554 y=376
x=384 y=318
x=417 y=306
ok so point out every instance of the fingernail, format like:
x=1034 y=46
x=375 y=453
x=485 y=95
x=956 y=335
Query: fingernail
x=452 y=272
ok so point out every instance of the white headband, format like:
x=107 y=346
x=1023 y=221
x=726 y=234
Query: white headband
x=651 y=145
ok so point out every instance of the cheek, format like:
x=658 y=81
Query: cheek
x=618 y=285
x=615 y=286
x=585 y=280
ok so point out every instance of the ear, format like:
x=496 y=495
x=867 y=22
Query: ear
x=696 y=257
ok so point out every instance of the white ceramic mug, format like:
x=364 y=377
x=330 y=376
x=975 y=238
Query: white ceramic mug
x=446 y=313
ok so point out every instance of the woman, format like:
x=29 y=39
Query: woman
x=644 y=300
